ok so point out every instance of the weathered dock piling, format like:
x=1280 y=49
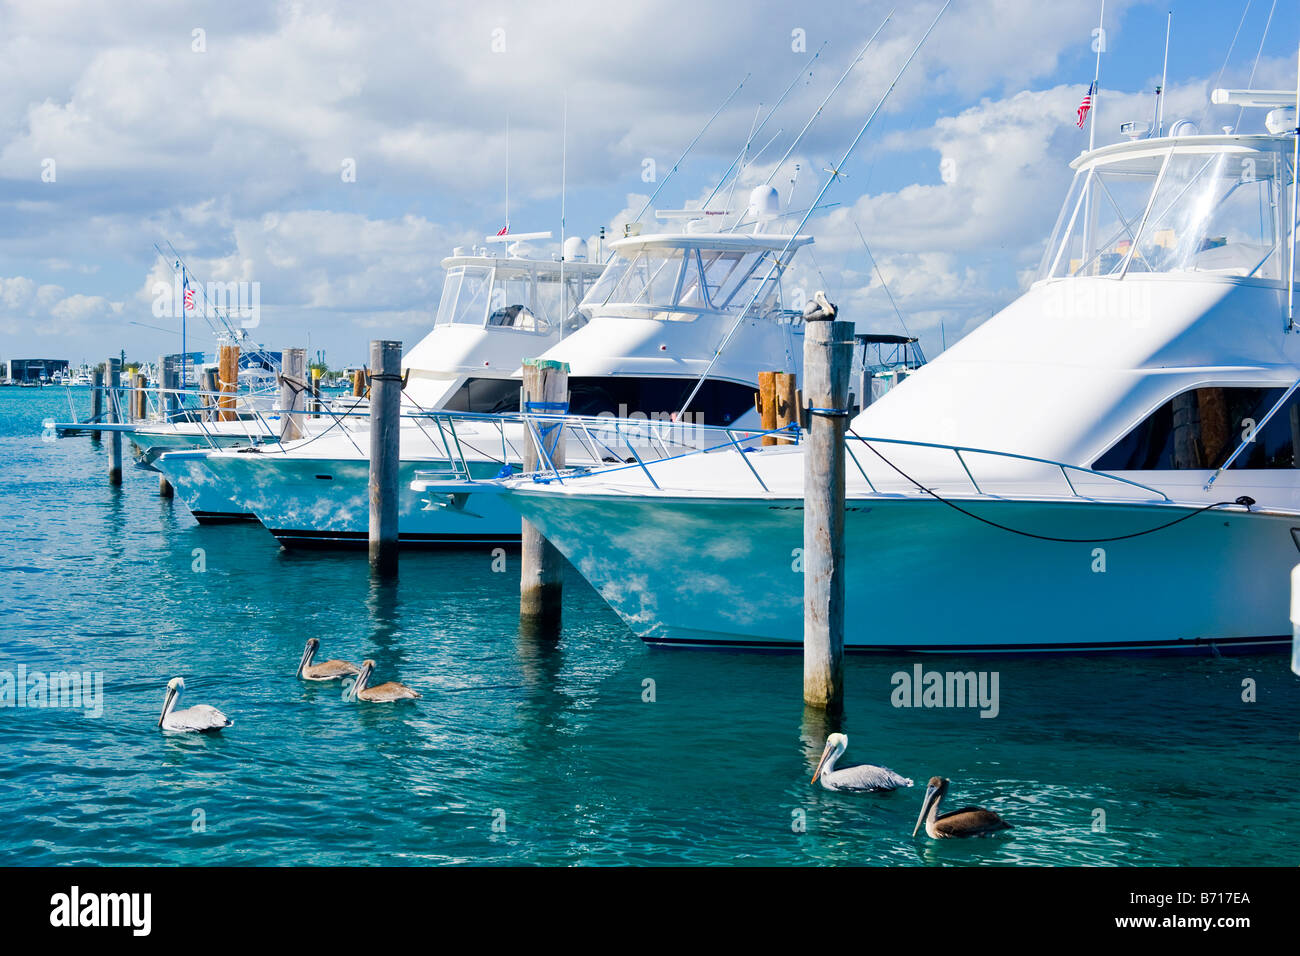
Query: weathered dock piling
x=828 y=353
x=209 y=387
x=139 y=400
x=385 y=452
x=293 y=396
x=113 y=375
x=169 y=379
x=541 y=574
x=229 y=372
x=1295 y=620
x=359 y=383
x=96 y=401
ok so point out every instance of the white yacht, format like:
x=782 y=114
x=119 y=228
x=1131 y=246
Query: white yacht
x=647 y=332
x=494 y=312
x=1109 y=463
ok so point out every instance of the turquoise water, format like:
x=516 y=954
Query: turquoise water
x=553 y=744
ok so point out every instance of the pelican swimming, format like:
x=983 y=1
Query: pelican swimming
x=966 y=822
x=382 y=693
x=326 y=670
x=864 y=777
x=200 y=717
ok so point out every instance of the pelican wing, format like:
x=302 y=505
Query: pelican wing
x=389 y=691
x=865 y=777
x=969 y=822
x=198 y=717
x=329 y=670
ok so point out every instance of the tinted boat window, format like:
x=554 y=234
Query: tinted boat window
x=1202 y=427
x=718 y=403
x=488 y=396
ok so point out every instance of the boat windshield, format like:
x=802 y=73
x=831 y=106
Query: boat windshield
x=681 y=283
x=522 y=297
x=464 y=296
x=1178 y=210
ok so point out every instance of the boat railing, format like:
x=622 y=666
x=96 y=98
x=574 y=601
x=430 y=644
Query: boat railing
x=600 y=441
x=713 y=439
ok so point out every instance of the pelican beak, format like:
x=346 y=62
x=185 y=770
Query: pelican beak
x=925 y=808
x=306 y=653
x=821 y=762
x=167 y=704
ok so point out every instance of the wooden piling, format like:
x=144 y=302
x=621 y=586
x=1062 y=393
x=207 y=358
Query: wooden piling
x=385 y=453
x=229 y=370
x=787 y=402
x=113 y=374
x=293 y=393
x=139 y=401
x=168 y=379
x=541 y=575
x=96 y=401
x=208 y=384
x=765 y=402
x=828 y=354
x=359 y=383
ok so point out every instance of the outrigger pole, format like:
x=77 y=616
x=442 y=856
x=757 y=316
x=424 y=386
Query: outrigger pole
x=777 y=262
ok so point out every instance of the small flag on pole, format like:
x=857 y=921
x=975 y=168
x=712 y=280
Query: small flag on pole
x=504 y=230
x=1085 y=106
x=189 y=299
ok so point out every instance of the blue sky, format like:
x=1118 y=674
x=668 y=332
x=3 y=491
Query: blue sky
x=234 y=152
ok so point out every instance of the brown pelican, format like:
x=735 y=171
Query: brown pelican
x=381 y=694
x=864 y=777
x=327 y=670
x=200 y=717
x=966 y=822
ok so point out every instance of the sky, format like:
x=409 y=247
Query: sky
x=334 y=153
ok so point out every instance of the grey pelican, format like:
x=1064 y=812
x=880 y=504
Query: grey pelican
x=200 y=717
x=326 y=670
x=966 y=822
x=382 y=693
x=864 y=777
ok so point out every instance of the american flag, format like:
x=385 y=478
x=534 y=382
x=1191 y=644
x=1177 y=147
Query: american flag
x=504 y=230
x=1085 y=106
x=189 y=299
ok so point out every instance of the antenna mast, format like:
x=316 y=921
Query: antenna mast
x=1164 y=75
x=1096 y=77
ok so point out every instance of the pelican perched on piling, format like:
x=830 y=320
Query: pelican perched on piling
x=326 y=670
x=863 y=778
x=382 y=693
x=966 y=822
x=200 y=717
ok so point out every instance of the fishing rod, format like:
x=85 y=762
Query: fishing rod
x=875 y=264
x=739 y=160
x=689 y=146
x=821 y=106
x=777 y=262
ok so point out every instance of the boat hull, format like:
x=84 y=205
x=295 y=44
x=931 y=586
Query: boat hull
x=924 y=578
x=325 y=503
x=207 y=496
